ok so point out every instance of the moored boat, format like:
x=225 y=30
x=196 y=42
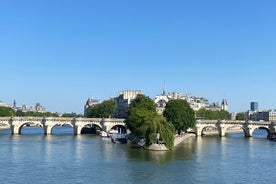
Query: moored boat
x=119 y=138
x=103 y=134
x=271 y=136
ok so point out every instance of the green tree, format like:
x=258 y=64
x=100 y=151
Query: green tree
x=213 y=115
x=141 y=113
x=143 y=121
x=72 y=114
x=19 y=113
x=240 y=116
x=105 y=109
x=6 y=111
x=180 y=114
x=36 y=114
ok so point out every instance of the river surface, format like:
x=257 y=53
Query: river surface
x=64 y=158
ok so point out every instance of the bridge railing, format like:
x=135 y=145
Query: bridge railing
x=233 y=122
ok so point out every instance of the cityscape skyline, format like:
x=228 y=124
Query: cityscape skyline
x=60 y=53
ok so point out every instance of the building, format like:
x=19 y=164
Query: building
x=90 y=103
x=37 y=108
x=162 y=99
x=123 y=102
x=269 y=115
x=196 y=103
x=224 y=105
x=254 y=106
x=266 y=115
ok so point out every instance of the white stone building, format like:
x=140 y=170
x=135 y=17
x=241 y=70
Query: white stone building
x=90 y=103
x=123 y=102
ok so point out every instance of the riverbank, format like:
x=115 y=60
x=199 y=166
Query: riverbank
x=180 y=138
x=177 y=140
x=160 y=147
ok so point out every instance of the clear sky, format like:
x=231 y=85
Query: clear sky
x=60 y=52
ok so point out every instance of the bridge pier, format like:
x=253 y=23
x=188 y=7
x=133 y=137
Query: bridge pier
x=221 y=128
x=47 y=129
x=77 y=130
x=272 y=127
x=248 y=129
x=198 y=130
x=15 y=129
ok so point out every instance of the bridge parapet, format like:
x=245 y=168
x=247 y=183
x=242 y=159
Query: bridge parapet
x=222 y=125
x=16 y=123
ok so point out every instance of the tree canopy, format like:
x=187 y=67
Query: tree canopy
x=36 y=114
x=105 y=109
x=213 y=115
x=141 y=113
x=240 y=116
x=143 y=121
x=180 y=114
x=6 y=111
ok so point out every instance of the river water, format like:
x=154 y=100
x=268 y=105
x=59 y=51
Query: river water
x=64 y=158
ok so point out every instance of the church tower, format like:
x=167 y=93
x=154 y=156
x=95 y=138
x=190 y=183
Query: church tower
x=224 y=105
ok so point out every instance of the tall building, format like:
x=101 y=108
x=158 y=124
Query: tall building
x=123 y=102
x=254 y=106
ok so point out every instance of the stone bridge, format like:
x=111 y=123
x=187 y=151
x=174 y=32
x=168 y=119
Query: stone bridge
x=16 y=123
x=248 y=127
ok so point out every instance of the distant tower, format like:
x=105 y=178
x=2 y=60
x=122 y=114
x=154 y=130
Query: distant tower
x=14 y=103
x=224 y=105
x=254 y=106
x=164 y=89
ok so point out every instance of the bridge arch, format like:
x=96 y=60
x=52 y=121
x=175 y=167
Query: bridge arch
x=28 y=123
x=61 y=128
x=119 y=128
x=235 y=128
x=90 y=128
x=260 y=128
x=209 y=129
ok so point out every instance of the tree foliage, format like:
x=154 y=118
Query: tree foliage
x=213 y=115
x=6 y=111
x=143 y=121
x=36 y=114
x=240 y=116
x=72 y=114
x=180 y=114
x=141 y=113
x=105 y=109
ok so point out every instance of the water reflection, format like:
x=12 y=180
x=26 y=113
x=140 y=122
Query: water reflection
x=90 y=159
x=140 y=154
x=183 y=151
x=5 y=131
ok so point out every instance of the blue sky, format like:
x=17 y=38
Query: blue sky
x=60 y=52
